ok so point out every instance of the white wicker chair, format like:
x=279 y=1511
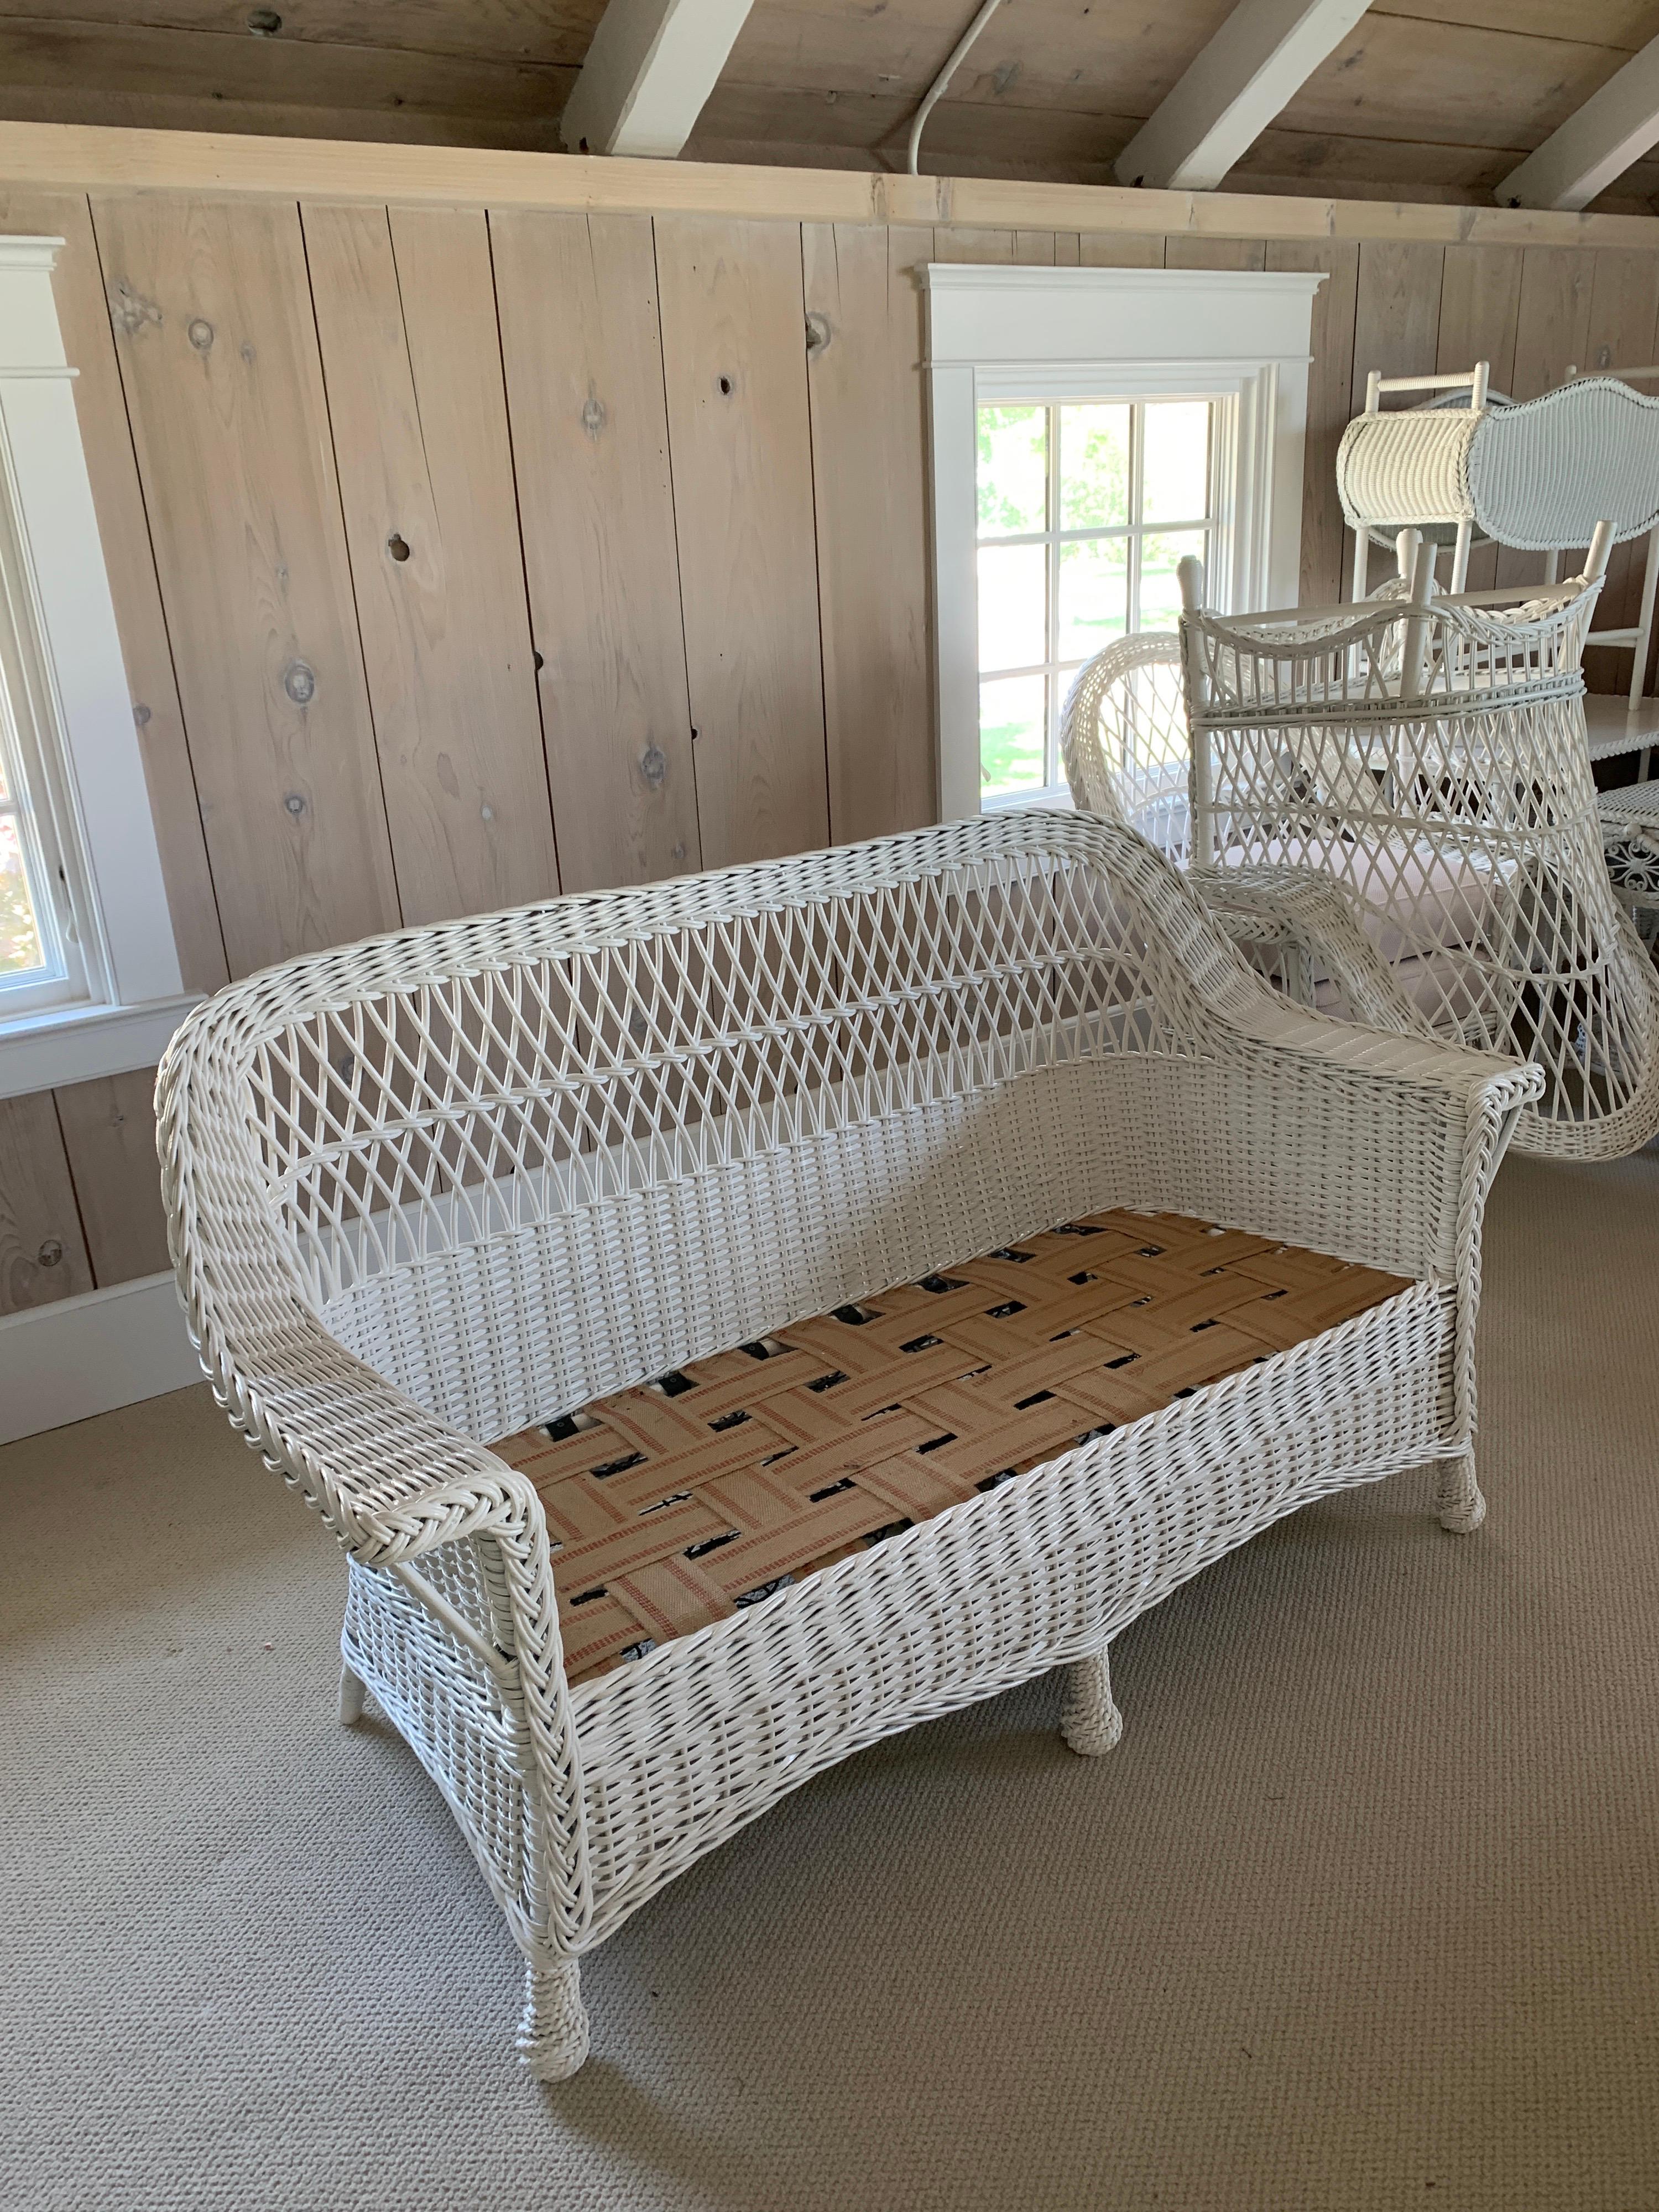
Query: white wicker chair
x=1429 y=754
x=1127 y=756
x=427 y=1189
x=1629 y=838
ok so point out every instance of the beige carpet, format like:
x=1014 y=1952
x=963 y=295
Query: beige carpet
x=1363 y=1913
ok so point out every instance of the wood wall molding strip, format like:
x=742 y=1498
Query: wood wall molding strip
x=80 y=1046
x=59 y=156
x=91 y=1352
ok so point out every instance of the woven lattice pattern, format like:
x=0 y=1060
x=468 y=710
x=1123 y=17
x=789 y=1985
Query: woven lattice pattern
x=1457 y=805
x=1538 y=474
x=1124 y=741
x=1630 y=837
x=671 y=1506
x=1127 y=752
x=434 y=1188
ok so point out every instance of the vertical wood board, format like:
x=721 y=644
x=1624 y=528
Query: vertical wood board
x=219 y=362
x=1103 y=249
x=869 y=475
x=109 y=1137
x=42 y=1254
x=1183 y=251
x=406 y=319
x=1480 y=311
x=577 y=296
x=1330 y=381
x=1397 y=312
x=734 y=352
x=1621 y=333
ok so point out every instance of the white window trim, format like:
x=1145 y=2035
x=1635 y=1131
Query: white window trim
x=134 y=994
x=1239 y=337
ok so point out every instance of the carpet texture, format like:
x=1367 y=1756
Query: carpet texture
x=1362 y=1913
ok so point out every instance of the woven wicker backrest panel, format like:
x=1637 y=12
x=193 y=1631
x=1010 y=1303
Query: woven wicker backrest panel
x=671 y=1505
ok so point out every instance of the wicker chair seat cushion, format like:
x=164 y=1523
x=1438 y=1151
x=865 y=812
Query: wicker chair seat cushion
x=671 y=1505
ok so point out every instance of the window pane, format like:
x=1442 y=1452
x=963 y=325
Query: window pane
x=19 y=934
x=1176 y=462
x=1160 y=593
x=1013 y=470
x=1094 y=595
x=1013 y=728
x=1013 y=606
x=1094 y=468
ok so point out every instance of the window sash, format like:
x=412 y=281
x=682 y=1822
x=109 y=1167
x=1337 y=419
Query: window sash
x=1055 y=668
x=37 y=802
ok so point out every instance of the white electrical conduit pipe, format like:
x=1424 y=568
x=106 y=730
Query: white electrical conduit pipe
x=936 y=89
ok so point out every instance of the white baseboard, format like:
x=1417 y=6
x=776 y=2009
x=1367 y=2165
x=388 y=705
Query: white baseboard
x=82 y=1356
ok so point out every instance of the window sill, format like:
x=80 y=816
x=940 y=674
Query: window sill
x=73 y=1044
x=1007 y=802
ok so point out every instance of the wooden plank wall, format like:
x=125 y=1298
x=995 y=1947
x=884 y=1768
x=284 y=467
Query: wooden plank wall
x=462 y=557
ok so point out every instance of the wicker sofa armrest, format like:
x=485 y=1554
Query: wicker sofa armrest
x=1453 y=1111
x=395 y=1485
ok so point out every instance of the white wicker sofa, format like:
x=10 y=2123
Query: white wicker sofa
x=428 y=1190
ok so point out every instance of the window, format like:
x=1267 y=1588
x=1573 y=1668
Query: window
x=89 y=981
x=41 y=964
x=1085 y=507
x=1090 y=427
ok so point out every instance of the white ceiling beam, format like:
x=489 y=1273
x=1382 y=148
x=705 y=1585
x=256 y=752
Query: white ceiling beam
x=1260 y=58
x=1597 y=143
x=651 y=67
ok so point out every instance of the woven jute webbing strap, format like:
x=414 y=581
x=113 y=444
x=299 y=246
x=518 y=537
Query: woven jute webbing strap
x=670 y=1505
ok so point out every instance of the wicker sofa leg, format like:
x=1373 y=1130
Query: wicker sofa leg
x=1462 y=1509
x=1089 y=1720
x=553 y=2033
x=351 y=1698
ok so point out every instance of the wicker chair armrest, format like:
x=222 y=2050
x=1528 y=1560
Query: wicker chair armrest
x=1278 y=902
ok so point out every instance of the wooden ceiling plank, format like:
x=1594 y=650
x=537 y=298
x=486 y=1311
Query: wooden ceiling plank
x=1261 y=56
x=1596 y=143
x=651 y=67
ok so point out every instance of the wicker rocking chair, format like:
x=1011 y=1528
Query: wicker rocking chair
x=1128 y=757
x=1429 y=754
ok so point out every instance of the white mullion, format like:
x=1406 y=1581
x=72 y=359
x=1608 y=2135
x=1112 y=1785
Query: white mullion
x=1137 y=487
x=1051 y=641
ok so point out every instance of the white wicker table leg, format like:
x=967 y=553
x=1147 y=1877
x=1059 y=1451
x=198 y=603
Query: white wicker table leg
x=553 y=2031
x=1462 y=1509
x=1089 y=1720
x=351 y=1698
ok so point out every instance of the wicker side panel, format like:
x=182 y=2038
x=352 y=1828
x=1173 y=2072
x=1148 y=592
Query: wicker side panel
x=445 y=1706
